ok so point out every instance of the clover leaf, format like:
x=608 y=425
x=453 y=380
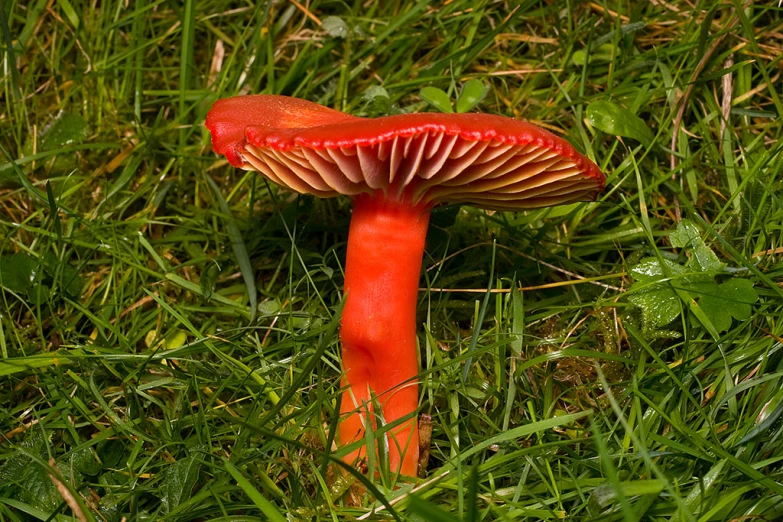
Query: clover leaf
x=437 y=98
x=653 y=292
x=472 y=93
x=33 y=279
x=687 y=236
x=662 y=284
x=18 y=272
x=613 y=119
x=730 y=299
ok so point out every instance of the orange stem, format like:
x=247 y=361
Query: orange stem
x=378 y=332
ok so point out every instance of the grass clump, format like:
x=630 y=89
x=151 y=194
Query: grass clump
x=168 y=345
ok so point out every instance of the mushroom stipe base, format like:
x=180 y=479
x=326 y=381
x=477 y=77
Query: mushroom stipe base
x=378 y=331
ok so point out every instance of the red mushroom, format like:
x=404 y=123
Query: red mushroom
x=396 y=168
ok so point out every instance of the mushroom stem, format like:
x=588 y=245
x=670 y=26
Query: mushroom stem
x=378 y=331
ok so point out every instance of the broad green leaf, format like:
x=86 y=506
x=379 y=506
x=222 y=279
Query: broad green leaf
x=83 y=460
x=18 y=461
x=650 y=269
x=269 y=308
x=111 y=452
x=473 y=92
x=32 y=278
x=56 y=138
x=603 y=53
x=687 y=236
x=653 y=293
x=39 y=489
x=179 y=480
x=38 y=294
x=375 y=91
x=660 y=304
x=619 y=121
x=378 y=99
x=738 y=295
x=437 y=99
x=67 y=128
x=18 y=272
x=657 y=298
x=175 y=340
x=335 y=26
x=712 y=306
x=730 y=299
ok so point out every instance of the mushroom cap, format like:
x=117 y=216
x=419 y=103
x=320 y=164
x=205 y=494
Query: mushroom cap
x=490 y=161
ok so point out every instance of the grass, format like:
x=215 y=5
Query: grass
x=168 y=345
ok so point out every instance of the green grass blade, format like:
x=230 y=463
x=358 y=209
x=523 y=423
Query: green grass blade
x=266 y=507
